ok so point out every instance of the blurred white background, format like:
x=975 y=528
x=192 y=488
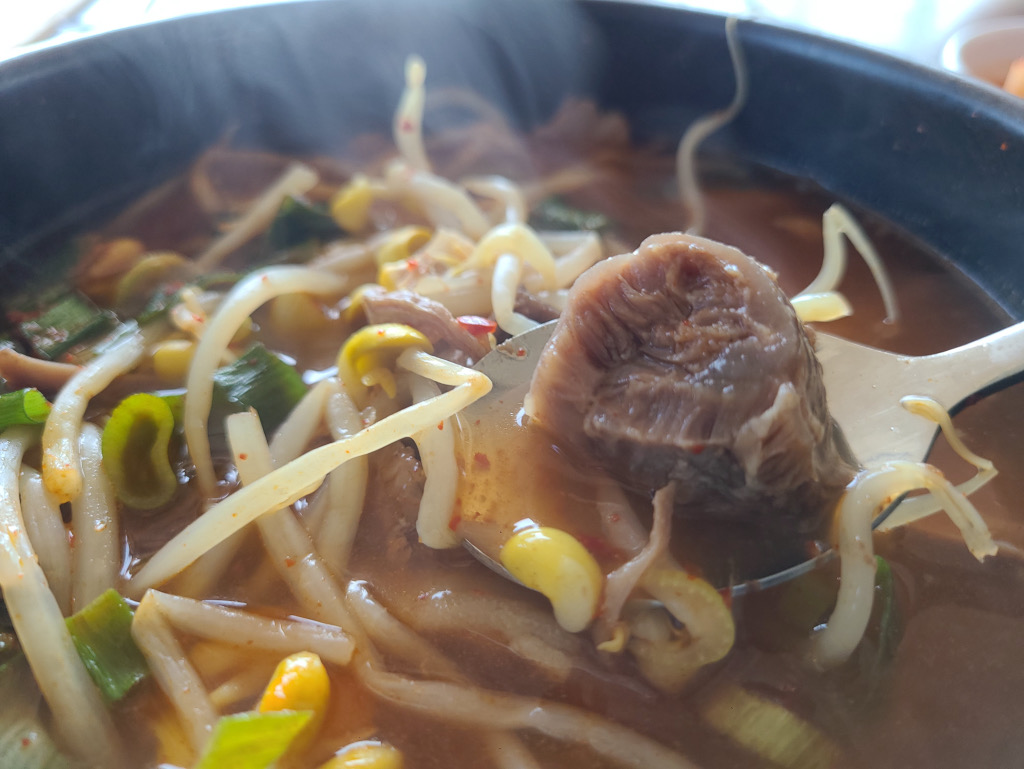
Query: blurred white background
x=915 y=29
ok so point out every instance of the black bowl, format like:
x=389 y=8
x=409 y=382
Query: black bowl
x=86 y=125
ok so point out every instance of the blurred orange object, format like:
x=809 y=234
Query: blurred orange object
x=1014 y=82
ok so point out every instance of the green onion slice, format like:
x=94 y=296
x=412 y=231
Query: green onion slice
x=262 y=381
x=252 y=740
x=103 y=638
x=136 y=443
x=70 y=322
x=23 y=407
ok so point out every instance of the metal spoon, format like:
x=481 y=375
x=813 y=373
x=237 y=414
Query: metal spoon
x=864 y=387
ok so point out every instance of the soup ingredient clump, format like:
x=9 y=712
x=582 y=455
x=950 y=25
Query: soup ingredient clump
x=684 y=361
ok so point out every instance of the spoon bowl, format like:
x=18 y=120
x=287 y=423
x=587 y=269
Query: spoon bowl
x=864 y=386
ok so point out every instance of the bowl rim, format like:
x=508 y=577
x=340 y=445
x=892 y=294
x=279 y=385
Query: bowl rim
x=938 y=92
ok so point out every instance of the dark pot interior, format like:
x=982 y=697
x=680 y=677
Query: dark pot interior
x=84 y=126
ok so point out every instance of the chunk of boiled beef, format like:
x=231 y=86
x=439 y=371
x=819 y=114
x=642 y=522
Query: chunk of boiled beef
x=684 y=361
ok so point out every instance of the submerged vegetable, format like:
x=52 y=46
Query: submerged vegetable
x=769 y=730
x=23 y=407
x=136 y=451
x=866 y=673
x=102 y=635
x=24 y=741
x=252 y=740
x=368 y=754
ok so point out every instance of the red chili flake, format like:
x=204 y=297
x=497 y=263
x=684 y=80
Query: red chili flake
x=440 y=425
x=615 y=518
x=412 y=264
x=697 y=449
x=477 y=325
x=381 y=332
x=1004 y=146
x=482 y=461
x=521 y=352
x=26 y=742
x=726 y=593
x=454 y=521
x=407 y=125
x=289 y=561
x=243 y=457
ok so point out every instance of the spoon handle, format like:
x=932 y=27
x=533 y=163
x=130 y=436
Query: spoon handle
x=963 y=371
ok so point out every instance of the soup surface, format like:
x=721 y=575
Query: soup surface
x=936 y=682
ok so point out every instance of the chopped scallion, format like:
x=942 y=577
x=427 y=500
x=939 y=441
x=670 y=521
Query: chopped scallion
x=72 y=321
x=260 y=380
x=102 y=635
x=168 y=294
x=136 y=451
x=299 y=221
x=890 y=626
x=160 y=301
x=868 y=669
x=23 y=407
x=252 y=740
x=554 y=214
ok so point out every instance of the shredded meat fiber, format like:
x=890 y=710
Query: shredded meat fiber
x=684 y=361
x=432 y=319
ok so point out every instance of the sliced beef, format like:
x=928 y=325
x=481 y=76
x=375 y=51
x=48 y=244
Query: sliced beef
x=451 y=341
x=685 y=361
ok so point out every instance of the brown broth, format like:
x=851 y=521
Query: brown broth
x=952 y=696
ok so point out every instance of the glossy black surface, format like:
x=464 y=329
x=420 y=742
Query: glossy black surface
x=84 y=126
